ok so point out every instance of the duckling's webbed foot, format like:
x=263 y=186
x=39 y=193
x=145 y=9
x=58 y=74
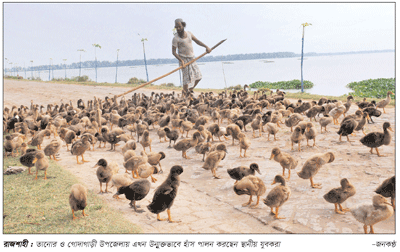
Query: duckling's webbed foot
x=317 y=186
x=337 y=210
x=258 y=201
x=169 y=217
x=84 y=214
x=343 y=209
x=159 y=218
x=248 y=203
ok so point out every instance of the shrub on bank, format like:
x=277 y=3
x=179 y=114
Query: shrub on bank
x=135 y=80
x=293 y=84
x=237 y=87
x=372 y=88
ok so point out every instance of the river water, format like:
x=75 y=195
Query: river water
x=330 y=74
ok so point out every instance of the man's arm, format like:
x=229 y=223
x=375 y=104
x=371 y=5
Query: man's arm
x=177 y=56
x=208 y=50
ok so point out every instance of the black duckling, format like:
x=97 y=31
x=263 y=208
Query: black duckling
x=372 y=112
x=339 y=195
x=377 y=139
x=347 y=128
x=250 y=185
x=78 y=200
x=312 y=166
x=104 y=173
x=136 y=191
x=277 y=196
x=52 y=149
x=172 y=135
x=388 y=189
x=165 y=194
x=242 y=171
x=27 y=159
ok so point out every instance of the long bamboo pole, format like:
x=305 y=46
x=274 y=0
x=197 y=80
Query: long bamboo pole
x=173 y=71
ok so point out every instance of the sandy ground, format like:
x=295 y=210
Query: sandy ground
x=207 y=205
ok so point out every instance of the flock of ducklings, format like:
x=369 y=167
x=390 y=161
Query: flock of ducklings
x=84 y=126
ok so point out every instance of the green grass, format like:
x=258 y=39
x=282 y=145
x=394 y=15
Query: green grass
x=372 y=88
x=293 y=84
x=42 y=206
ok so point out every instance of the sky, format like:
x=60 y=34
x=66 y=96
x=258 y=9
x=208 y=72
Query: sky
x=40 y=31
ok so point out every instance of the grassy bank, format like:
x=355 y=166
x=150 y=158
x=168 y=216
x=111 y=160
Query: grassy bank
x=298 y=95
x=42 y=206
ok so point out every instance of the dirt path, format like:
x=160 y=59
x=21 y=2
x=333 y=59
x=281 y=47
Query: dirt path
x=206 y=205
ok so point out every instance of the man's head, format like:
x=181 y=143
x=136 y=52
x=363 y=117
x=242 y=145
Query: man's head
x=179 y=25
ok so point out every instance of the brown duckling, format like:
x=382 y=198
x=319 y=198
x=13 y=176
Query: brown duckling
x=286 y=160
x=154 y=158
x=242 y=171
x=312 y=166
x=136 y=191
x=68 y=136
x=369 y=215
x=314 y=111
x=214 y=130
x=382 y=104
x=79 y=147
x=186 y=126
x=293 y=120
x=276 y=117
x=205 y=134
x=339 y=195
x=234 y=131
x=41 y=163
x=256 y=124
x=10 y=145
x=133 y=163
x=377 y=139
x=185 y=144
x=146 y=140
x=37 y=140
x=244 y=143
x=165 y=194
x=52 y=149
x=278 y=196
x=119 y=180
x=362 y=122
x=203 y=148
x=250 y=185
x=297 y=136
x=147 y=170
x=324 y=121
x=130 y=145
x=104 y=173
x=213 y=159
x=23 y=148
x=337 y=112
x=162 y=134
x=388 y=189
x=311 y=132
x=78 y=200
x=172 y=135
x=272 y=129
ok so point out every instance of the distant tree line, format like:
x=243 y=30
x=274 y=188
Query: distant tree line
x=230 y=57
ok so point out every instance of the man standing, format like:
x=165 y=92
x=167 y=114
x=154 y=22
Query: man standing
x=183 y=41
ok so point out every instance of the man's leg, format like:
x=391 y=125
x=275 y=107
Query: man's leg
x=185 y=89
x=195 y=84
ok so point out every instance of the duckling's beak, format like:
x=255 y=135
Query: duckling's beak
x=390 y=128
x=369 y=118
x=272 y=156
x=34 y=161
x=259 y=172
x=95 y=165
x=273 y=182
